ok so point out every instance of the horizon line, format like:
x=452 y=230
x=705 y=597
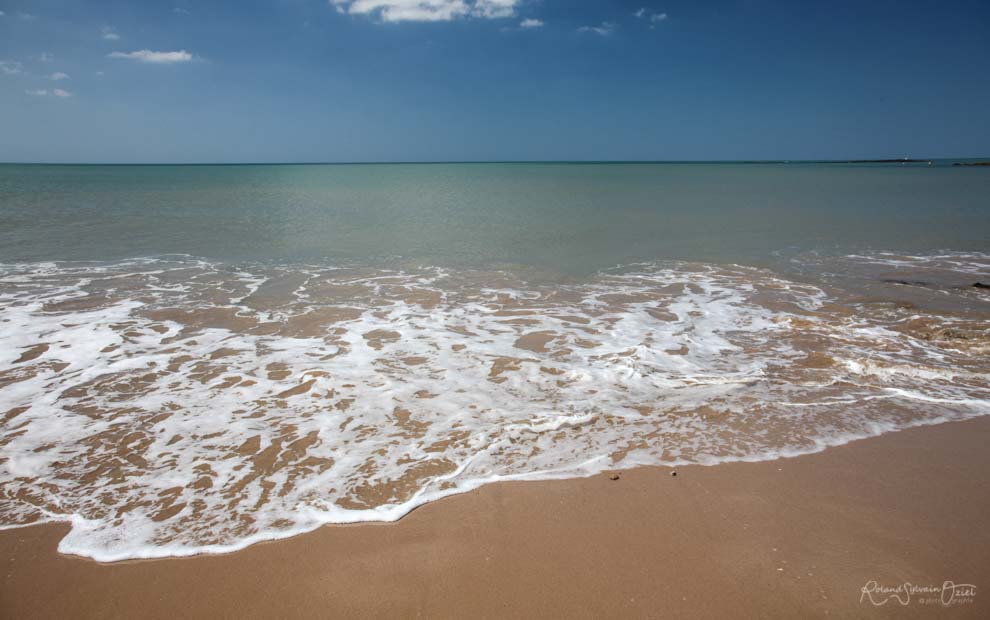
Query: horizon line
x=884 y=160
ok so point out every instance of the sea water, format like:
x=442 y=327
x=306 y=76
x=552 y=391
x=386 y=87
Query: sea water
x=195 y=358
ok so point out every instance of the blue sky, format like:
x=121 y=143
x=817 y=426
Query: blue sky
x=443 y=80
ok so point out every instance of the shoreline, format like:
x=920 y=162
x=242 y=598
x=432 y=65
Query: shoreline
x=402 y=511
x=799 y=536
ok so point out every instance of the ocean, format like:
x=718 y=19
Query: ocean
x=197 y=358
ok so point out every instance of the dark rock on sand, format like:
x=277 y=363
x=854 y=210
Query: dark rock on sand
x=981 y=285
x=906 y=282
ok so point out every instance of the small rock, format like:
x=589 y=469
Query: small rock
x=613 y=476
x=905 y=282
x=981 y=285
x=673 y=473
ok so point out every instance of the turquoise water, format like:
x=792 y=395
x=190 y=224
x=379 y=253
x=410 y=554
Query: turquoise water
x=567 y=218
x=197 y=358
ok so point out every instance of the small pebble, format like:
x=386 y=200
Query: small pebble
x=673 y=473
x=613 y=476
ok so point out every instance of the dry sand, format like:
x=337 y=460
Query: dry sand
x=790 y=538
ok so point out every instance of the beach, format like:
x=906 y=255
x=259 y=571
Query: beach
x=494 y=309
x=463 y=390
x=798 y=537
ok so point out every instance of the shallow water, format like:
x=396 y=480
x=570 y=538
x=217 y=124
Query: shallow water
x=572 y=219
x=181 y=404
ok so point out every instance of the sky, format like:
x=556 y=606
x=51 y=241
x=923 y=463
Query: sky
x=491 y=80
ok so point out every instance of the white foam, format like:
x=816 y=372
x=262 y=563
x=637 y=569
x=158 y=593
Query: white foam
x=158 y=429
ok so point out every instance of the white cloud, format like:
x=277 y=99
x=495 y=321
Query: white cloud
x=108 y=34
x=159 y=58
x=531 y=23
x=604 y=30
x=58 y=75
x=41 y=92
x=46 y=57
x=494 y=9
x=180 y=11
x=427 y=10
x=2 y=13
x=654 y=17
x=10 y=67
x=28 y=17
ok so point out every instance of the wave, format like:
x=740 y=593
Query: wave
x=171 y=406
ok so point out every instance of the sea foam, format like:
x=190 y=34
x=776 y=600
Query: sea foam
x=169 y=407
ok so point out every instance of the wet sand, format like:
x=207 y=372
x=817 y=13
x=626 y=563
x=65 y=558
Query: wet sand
x=789 y=538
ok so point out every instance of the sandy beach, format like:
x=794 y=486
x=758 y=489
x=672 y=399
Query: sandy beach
x=494 y=309
x=796 y=537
